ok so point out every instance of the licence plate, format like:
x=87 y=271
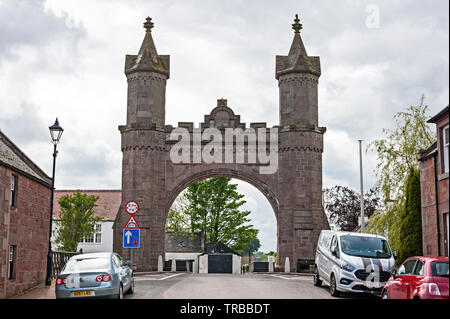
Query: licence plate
x=372 y=285
x=82 y=293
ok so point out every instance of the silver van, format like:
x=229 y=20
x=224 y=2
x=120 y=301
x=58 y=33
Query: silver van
x=353 y=262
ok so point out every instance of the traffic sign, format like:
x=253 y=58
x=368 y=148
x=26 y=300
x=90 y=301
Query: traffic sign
x=132 y=223
x=132 y=207
x=131 y=238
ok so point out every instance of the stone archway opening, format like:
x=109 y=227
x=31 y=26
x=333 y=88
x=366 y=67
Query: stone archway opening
x=183 y=250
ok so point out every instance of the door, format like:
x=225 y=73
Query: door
x=220 y=264
x=400 y=285
x=415 y=281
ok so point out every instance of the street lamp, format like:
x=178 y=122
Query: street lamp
x=55 y=132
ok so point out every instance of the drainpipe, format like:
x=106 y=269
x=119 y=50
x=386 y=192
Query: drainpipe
x=436 y=190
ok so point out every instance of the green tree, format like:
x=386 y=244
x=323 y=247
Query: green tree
x=76 y=219
x=396 y=156
x=411 y=219
x=251 y=248
x=397 y=153
x=214 y=211
x=178 y=222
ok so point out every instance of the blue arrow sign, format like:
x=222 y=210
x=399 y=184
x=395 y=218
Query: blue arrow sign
x=131 y=238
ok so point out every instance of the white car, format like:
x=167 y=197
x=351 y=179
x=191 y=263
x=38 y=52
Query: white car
x=353 y=262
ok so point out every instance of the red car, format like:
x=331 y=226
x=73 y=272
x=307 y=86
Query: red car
x=418 y=278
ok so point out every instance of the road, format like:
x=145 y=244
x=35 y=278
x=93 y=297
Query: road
x=227 y=286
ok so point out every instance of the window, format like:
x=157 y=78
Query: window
x=334 y=243
x=407 y=267
x=11 y=259
x=419 y=269
x=96 y=237
x=445 y=143
x=13 y=194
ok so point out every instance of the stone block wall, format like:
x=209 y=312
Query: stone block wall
x=26 y=227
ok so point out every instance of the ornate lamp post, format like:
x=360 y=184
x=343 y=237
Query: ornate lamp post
x=55 y=132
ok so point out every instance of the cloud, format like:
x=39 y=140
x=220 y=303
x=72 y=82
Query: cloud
x=65 y=58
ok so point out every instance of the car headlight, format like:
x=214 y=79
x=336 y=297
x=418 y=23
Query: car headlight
x=347 y=267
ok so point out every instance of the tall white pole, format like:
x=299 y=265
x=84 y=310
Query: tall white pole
x=361 y=181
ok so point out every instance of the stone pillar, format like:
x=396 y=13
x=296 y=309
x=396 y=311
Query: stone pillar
x=271 y=260
x=287 y=265
x=174 y=265
x=160 y=264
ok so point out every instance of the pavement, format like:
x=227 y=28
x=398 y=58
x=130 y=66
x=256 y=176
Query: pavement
x=39 y=292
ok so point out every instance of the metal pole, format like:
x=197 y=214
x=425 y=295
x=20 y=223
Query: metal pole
x=48 y=279
x=361 y=181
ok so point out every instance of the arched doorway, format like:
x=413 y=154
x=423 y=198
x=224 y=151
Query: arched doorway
x=188 y=247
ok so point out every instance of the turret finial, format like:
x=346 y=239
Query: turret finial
x=148 y=25
x=297 y=26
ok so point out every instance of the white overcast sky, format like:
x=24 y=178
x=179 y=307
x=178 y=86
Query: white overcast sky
x=66 y=58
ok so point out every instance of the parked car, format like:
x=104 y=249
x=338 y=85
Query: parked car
x=353 y=262
x=419 y=278
x=101 y=275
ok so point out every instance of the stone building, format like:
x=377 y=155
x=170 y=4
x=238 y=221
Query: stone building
x=434 y=175
x=25 y=192
x=150 y=177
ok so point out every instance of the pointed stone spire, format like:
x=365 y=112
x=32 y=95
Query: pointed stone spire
x=297 y=60
x=147 y=59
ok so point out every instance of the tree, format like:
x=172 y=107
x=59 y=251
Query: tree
x=213 y=209
x=251 y=248
x=343 y=206
x=397 y=153
x=411 y=219
x=396 y=156
x=76 y=220
x=178 y=220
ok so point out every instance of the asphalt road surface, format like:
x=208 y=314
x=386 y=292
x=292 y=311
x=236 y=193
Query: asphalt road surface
x=227 y=286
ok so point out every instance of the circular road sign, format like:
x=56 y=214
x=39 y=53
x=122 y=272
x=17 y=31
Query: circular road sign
x=132 y=207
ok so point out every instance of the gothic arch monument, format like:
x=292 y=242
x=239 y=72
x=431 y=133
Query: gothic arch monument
x=150 y=177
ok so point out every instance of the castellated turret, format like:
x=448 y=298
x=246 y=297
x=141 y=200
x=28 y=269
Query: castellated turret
x=147 y=73
x=298 y=75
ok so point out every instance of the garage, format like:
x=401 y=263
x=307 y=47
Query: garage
x=220 y=264
x=219 y=259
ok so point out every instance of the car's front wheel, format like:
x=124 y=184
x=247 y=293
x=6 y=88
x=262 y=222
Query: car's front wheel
x=333 y=290
x=385 y=295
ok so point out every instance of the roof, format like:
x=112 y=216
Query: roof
x=349 y=233
x=424 y=154
x=219 y=248
x=107 y=205
x=148 y=58
x=13 y=157
x=440 y=115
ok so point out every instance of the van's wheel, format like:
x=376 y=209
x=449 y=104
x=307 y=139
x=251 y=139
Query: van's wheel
x=317 y=282
x=333 y=290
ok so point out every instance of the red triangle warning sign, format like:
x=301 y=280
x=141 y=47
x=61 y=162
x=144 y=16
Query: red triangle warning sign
x=132 y=223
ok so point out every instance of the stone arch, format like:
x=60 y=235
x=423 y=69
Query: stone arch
x=184 y=181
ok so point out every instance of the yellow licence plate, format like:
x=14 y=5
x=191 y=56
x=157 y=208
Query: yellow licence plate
x=82 y=293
